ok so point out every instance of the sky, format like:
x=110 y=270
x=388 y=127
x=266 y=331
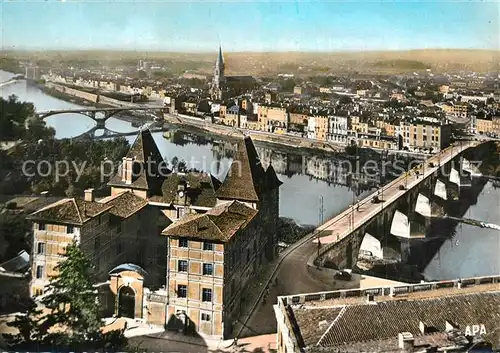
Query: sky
x=257 y=25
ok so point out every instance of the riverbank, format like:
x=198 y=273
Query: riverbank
x=197 y=126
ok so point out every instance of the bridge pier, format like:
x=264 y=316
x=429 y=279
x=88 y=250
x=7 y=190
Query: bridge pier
x=100 y=124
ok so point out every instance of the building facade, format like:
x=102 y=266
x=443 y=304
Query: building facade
x=117 y=229
x=425 y=135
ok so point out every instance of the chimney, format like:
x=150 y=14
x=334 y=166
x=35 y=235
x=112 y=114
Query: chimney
x=127 y=170
x=423 y=328
x=405 y=342
x=449 y=326
x=89 y=195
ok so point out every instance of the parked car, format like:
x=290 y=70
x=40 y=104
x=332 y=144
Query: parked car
x=343 y=275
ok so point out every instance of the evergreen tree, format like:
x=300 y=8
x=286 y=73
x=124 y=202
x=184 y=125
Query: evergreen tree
x=71 y=312
x=72 y=298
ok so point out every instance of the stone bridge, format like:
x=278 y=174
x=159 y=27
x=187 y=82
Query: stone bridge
x=101 y=119
x=384 y=224
x=92 y=112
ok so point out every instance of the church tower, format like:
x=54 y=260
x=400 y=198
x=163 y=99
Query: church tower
x=218 y=79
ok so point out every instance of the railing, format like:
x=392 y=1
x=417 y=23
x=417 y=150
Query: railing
x=392 y=290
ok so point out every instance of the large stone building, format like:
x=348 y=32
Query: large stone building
x=418 y=135
x=213 y=256
x=120 y=228
x=196 y=270
x=446 y=316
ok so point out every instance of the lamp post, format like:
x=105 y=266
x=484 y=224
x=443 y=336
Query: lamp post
x=321 y=217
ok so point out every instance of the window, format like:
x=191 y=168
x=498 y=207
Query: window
x=70 y=229
x=118 y=247
x=99 y=220
x=41 y=226
x=119 y=228
x=97 y=243
x=40 y=248
x=208 y=269
x=38 y=292
x=205 y=317
x=182 y=266
x=39 y=271
x=180 y=212
x=206 y=295
x=208 y=246
x=181 y=291
x=183 y=243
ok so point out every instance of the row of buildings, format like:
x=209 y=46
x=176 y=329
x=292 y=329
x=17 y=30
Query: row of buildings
x=168 y=248
x=419 y=133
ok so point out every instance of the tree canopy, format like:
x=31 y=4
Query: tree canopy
x=68 y=317
x=17 y=122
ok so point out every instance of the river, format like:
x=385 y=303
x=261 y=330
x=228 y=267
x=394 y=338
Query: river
x=473 y=251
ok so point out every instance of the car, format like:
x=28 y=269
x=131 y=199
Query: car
x=375 y=199
x=343 y=275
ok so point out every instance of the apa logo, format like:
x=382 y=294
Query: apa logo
x=475 y=329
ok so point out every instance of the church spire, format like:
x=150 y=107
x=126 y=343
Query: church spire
x=218 y=78
x=220 y=58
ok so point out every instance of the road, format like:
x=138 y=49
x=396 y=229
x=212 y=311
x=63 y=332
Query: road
x=351 y=219
x=295 y=276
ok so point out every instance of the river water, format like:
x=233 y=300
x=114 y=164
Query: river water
x=473 y=251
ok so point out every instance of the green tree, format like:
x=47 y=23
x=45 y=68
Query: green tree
x=71 y=318
x=15 y=230
x=37 y=129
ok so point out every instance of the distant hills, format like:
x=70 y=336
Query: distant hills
x=299 y=63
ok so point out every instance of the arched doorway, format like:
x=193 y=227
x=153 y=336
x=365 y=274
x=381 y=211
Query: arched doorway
x=126 y=302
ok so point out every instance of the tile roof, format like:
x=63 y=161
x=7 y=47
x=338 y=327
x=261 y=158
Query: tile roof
x=246 y=179
x=369 y=324
x=200 y=191
x=71 y=211
x=124 y=204
x=218 y=224
x=148 y=176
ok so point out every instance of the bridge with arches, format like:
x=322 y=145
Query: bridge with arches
x=101 y=115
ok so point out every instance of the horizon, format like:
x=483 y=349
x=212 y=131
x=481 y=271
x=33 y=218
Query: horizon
x=259 y=27
x=118 y=50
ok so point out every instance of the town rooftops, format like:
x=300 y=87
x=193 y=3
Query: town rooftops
x=70 y=210
x=370 y=320
x=218 y=224
x=200 y=189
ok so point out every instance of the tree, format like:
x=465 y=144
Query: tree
x=15 y=230
x=71 y=318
